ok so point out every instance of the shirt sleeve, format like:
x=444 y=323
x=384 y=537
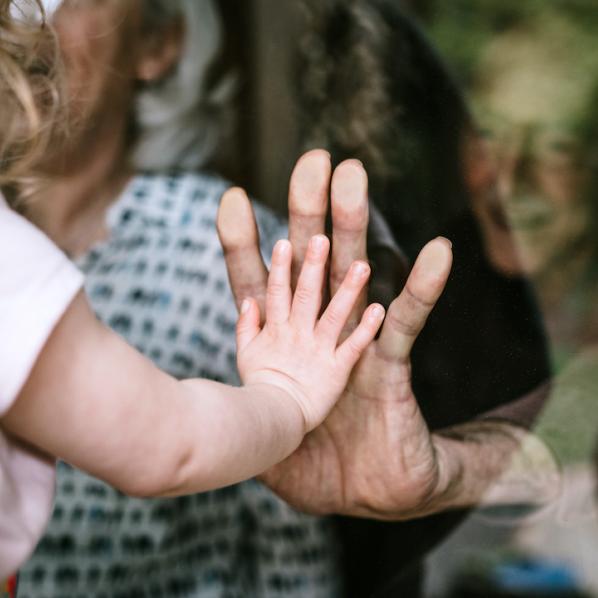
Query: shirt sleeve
x=37 y=284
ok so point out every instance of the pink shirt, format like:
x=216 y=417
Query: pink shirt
x=37 y=284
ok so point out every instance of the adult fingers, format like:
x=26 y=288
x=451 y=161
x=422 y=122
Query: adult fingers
x=239 y=236
x=408 y=313
x=308 y=203
x=349 y=193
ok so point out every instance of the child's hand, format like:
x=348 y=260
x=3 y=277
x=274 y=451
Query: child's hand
x=295 y=351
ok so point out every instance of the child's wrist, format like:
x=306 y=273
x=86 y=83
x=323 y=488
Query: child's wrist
x=288 y=406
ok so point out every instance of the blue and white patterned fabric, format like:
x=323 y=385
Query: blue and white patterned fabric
x=160 y=281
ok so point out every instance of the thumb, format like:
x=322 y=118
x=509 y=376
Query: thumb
x=408 y=313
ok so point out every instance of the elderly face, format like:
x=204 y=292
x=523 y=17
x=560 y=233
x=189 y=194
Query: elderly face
x=531 y=103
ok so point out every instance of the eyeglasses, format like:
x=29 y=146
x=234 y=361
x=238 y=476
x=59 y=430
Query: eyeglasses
x=555 y=147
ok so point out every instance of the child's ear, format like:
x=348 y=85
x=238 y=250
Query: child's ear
x=160 y=51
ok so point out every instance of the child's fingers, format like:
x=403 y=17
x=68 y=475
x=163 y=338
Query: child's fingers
x=341 y=306
x=308 y=294
x=351 y=350
x=278 y=296
x=248 y=325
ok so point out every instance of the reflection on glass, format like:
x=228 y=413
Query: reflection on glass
x=530 y=69
x=533 y=102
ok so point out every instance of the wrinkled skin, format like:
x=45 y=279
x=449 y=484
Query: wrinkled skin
x=374 y=456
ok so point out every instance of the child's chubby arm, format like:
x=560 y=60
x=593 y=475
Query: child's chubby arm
x=98 y=404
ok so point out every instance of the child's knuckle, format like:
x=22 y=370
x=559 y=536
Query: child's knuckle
x=304 y=296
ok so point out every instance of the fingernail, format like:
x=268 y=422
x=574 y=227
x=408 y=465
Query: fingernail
x=359 y=270
x=447 y=241
x=318 y=242
x=245 y=306
x=377 y=312
x=282 y=247
x=433 y=258
x=350 y=185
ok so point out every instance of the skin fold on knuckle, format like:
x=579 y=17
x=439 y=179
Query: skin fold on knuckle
x=305 y=296
x=425 y=292
x=277 y=288
x=353 y=349
x=334 y=318
x=403 y=325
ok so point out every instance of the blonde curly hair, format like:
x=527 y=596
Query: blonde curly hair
x=29 y=90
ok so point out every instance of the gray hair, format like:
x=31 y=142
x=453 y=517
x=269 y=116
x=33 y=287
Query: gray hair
x=179 y=119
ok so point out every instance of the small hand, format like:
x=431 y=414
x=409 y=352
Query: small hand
x=374 y=455
x=295 y=350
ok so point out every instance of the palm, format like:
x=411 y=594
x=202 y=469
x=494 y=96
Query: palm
x=373 y=456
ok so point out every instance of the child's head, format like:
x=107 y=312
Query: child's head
x=115 y=59
x=28 y=87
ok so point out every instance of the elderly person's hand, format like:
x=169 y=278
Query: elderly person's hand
x=374 y=456
x=343 y=466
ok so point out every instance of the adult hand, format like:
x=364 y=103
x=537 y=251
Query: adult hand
x=374 y=455
x=309 y=192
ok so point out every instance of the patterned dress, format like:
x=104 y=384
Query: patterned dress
x=160 y=281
